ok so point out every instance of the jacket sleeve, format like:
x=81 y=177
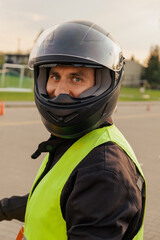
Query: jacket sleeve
x=13 y=208
x=99 y=207
x=101 y=199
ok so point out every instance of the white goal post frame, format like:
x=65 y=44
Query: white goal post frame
x=11 y=65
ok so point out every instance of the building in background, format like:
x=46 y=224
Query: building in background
x=132 y=74
x=16 y=58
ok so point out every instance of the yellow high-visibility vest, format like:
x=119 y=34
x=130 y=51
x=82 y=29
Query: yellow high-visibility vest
x=43 y=219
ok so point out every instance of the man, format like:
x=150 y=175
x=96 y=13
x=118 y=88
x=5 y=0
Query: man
x=90 y=186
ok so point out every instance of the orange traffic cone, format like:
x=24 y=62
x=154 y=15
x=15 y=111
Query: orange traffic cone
x=2 y=108
x=20 y=234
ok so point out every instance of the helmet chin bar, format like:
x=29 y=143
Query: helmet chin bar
x=64 y=99
x=62 y=127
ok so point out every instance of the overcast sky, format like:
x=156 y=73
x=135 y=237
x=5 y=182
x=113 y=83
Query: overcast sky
x=134 y=24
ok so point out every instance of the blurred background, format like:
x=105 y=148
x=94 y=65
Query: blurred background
x=134 y=24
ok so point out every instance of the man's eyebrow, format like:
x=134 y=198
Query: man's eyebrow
x=53 y=72
x=79 y=73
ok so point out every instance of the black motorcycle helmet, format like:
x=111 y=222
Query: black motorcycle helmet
x=80 y=44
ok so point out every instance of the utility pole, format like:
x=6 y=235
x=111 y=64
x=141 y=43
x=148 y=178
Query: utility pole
x=18 y=45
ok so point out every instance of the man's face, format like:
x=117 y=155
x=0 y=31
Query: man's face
x=69 y=80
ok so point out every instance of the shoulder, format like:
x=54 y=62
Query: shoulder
x=102 y=186
x=109 y=157
x=107 y=163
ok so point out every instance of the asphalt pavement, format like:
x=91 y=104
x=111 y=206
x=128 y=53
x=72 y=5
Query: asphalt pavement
x=21 y=131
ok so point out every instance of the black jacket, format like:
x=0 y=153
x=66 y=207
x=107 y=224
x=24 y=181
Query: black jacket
x=102 y=199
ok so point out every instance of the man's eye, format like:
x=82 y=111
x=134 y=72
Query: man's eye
x=76 y=79
x=55 y=77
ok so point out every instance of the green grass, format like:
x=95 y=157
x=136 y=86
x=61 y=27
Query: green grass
x=16 y=96
x=12 y=81
x=127 y=94
x=134 y=94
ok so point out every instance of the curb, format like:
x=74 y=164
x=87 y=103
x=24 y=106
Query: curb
x=32 y=104
x=10 y=104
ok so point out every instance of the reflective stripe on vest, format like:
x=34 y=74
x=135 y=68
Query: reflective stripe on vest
x=43 y=219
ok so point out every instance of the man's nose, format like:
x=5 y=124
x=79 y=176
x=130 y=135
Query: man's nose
x=62 y=88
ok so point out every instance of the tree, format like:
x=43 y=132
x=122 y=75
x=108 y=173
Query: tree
x=1 y=59
x=152 y=71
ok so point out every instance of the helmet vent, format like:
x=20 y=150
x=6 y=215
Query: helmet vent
x=63 y=119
